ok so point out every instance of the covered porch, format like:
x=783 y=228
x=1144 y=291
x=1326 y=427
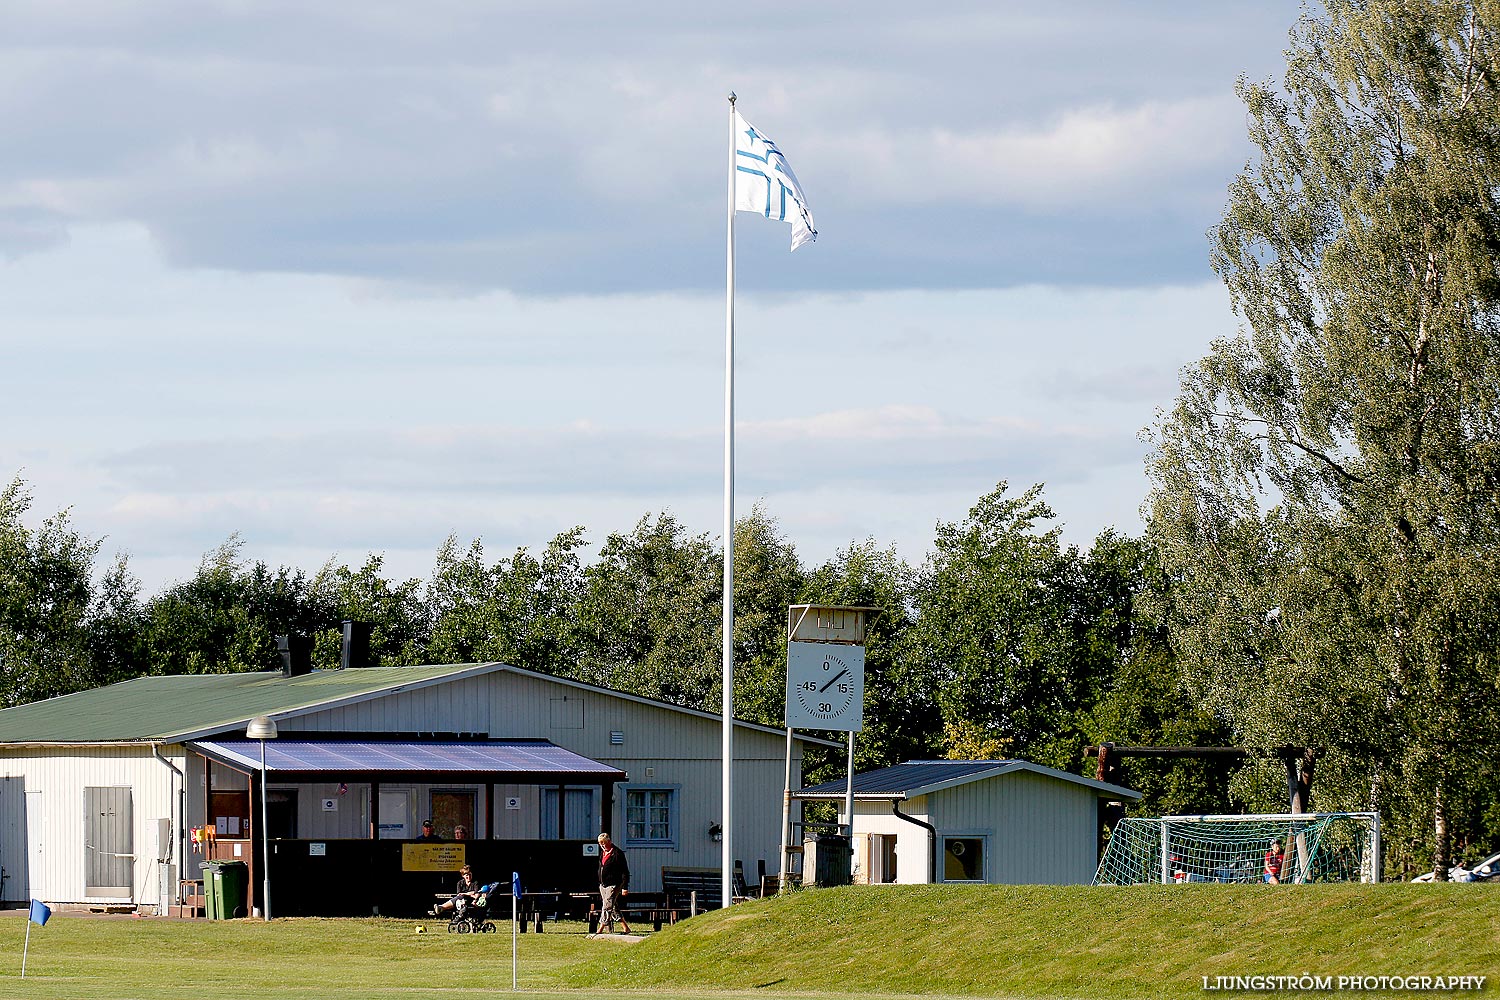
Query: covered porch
x=343 y=814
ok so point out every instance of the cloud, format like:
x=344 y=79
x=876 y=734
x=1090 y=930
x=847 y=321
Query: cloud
x=1085 y=156
x=894 y=448
x=578 y=150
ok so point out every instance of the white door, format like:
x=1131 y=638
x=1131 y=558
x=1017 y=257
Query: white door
x=32 y=880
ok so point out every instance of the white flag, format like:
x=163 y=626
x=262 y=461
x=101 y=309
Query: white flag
x=764 y=183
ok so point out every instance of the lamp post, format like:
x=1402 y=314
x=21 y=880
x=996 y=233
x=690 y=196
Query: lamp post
x=263 y=728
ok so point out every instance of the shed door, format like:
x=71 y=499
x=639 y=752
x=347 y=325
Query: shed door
x=108 y=843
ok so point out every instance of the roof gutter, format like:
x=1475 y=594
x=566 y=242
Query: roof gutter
x=931 y=839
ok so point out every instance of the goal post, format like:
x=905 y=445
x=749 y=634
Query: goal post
x=1313 y=847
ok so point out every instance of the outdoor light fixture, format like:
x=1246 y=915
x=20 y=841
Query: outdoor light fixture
x=715 y=832
x=263 y=728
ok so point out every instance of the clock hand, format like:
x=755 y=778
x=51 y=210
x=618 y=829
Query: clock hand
x=836 y=676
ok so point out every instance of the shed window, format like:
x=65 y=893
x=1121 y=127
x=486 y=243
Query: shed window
x=650 y=815
x=963 y=859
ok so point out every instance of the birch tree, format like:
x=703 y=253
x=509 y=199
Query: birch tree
x=1325 y=486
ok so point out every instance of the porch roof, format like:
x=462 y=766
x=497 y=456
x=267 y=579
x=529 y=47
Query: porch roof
x=516 y=760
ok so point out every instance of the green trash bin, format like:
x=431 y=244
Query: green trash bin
x=224 y=885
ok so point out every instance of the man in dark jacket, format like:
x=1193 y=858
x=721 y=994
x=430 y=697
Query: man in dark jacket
x=614 y=885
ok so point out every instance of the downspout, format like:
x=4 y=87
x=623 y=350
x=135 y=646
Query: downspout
x=179 y=823
x=931 y=839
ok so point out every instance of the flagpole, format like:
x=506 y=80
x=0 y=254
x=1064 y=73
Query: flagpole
x=514 y=926
x=727 y=825
x=26 y=947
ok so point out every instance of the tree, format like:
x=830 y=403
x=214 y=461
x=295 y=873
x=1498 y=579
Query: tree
x=1142 y=699
x=649 y=614
x=48 y=610
x=902 y=720
x=225 y=619
x=396 y=613
x=1001 y=633
x=768 y=577
x=521 y=610
x=1324 y=489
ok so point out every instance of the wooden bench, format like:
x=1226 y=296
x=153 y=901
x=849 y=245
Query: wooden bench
x=680 y=884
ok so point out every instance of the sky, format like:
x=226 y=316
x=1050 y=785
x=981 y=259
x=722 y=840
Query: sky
x=351 y=278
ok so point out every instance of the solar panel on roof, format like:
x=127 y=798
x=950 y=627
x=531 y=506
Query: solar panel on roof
x=514 y=756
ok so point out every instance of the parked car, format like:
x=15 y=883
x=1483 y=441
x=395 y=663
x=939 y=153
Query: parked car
x=1487 y=869
x=1480 y=871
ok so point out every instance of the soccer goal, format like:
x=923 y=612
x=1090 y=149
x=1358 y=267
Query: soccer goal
x=1314 y=847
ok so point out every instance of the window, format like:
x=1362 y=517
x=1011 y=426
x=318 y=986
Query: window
x=650 y=815
x=963 y=859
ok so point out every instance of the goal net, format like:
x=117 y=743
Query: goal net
x=1313 y=847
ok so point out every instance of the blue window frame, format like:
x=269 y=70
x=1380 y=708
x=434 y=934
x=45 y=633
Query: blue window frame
x=651 y=815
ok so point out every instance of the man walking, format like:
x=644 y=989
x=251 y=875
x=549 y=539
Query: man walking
x=614 y=885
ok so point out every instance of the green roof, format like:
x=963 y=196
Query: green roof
x=166 y=709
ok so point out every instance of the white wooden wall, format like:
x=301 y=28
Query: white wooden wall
x=1037 y=829
x=42 y=812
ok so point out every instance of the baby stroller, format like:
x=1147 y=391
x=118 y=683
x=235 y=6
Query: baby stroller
x=473 y=916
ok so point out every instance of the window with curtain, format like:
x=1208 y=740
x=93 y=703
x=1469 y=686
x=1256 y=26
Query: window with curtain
x=649 y=815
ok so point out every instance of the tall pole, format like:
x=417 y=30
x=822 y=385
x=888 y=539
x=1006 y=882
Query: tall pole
x=783 y=865
x=265 y=840
x=849 y=791
x=726 y=875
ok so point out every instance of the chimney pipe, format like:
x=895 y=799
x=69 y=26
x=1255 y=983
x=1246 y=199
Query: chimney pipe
x=355 y=651
x=296 y=654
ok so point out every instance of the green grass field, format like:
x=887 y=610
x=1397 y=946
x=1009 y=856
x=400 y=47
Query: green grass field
x=1155 y=941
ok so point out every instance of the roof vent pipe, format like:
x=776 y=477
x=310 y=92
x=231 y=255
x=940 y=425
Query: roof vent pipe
x=355 y=651
x=296 y=654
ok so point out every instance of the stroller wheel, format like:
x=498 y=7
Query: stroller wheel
x=453 y=926
x=489 y=928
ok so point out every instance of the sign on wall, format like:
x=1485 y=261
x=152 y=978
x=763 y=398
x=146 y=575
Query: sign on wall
x=432 y=857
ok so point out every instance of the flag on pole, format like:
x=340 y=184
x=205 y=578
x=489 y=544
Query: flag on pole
x=515 y=926
x=764 y=183
x=40 y=911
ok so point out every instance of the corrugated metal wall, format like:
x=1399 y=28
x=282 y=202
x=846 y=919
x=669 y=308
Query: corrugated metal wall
x=43 y=844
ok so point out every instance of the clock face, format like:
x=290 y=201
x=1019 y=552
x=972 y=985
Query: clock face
x=828 y=690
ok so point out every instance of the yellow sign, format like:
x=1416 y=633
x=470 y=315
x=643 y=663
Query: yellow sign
x=432 y=857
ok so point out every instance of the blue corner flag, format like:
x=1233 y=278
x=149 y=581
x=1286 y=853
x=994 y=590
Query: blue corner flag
x=515 y=884
x=40 y=911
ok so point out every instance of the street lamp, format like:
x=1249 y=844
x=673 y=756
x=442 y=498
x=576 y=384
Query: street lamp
x=263 y=728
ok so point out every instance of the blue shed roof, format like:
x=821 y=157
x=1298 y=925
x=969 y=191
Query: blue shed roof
x=922 y=777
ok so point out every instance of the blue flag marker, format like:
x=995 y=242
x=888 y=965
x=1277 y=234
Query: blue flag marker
x=40 y=911
x=515 y=884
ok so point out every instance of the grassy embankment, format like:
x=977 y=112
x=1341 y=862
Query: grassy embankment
x=883 y=941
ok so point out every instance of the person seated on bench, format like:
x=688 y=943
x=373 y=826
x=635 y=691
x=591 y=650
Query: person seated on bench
x=468 y=891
